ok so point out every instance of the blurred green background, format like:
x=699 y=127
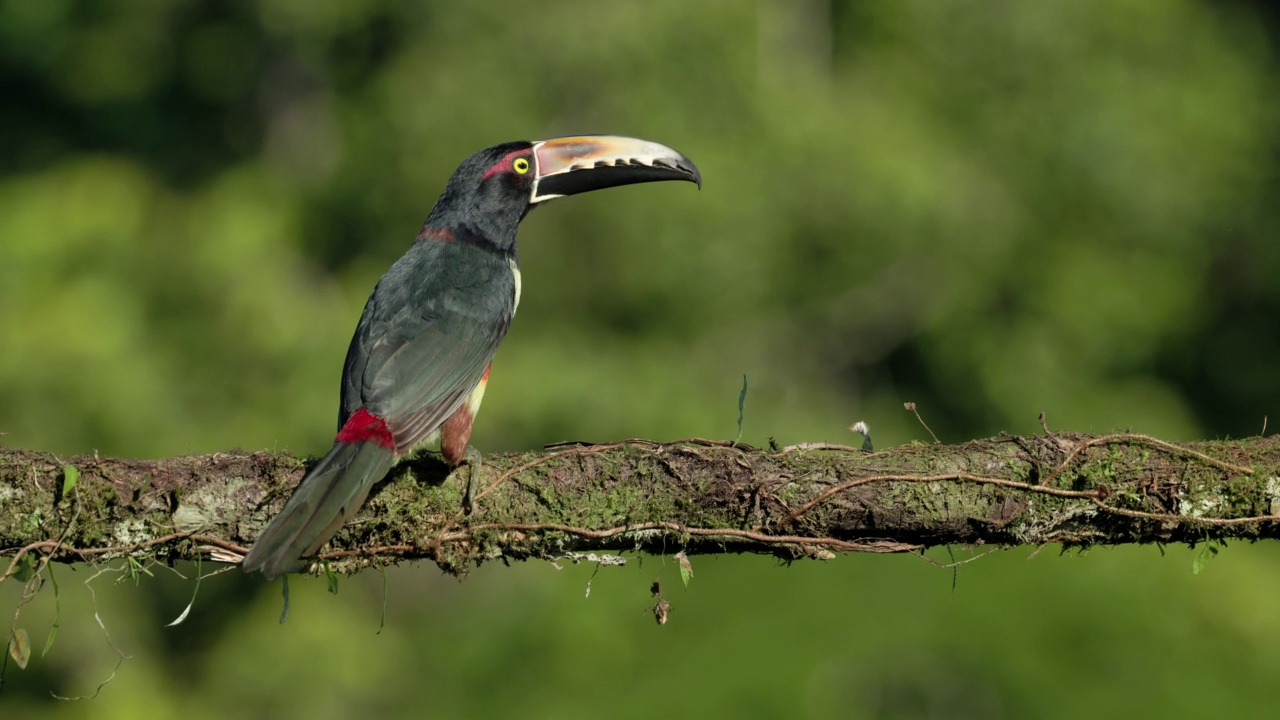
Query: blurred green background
x=991 y=208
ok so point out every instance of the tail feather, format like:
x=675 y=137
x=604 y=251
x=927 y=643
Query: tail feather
x=326 y=498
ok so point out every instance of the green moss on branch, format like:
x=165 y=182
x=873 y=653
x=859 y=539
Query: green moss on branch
x=699 y=496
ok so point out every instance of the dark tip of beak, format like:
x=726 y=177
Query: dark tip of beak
x=684 y=165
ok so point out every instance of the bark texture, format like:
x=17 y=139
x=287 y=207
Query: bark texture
x=697 y=496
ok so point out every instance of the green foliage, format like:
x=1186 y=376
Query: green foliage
x=1207 y=552
x=686 y=568
x=331 y=579
x=26 y=568
x=70 y=476
x=991 y=209
x=57 y=610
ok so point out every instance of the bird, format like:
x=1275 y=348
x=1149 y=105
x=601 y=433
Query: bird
x=419 y=360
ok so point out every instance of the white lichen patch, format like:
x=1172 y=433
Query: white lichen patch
x=1273 y=494
x=30 y=524
x=209 y=506
x=1044 y=524
x=1200 y=506
x=601 y=558
x=189 y=518
x=131 y=532
x=646 y=534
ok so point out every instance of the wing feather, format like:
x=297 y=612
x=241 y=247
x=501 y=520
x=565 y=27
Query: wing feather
x=428 y=333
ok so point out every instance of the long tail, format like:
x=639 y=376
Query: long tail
x=325 y=499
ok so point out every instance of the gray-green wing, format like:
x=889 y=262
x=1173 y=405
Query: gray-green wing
x=428 y=333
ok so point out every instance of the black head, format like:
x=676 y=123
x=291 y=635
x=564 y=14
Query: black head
x=492 y=191
x=487 y=195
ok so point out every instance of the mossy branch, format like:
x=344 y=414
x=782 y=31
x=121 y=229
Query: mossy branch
x=698 y=496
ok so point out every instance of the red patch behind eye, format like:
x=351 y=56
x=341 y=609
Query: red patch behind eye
x=503 y=165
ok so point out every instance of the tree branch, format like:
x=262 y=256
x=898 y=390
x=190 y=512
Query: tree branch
x=698 y=496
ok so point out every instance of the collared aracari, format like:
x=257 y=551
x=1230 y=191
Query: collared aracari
x=419 y=361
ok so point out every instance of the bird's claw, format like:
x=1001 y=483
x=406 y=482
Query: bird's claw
x=472 y=460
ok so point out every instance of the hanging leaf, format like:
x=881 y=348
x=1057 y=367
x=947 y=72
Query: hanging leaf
x=383 y=622
x=194 y=591
x=20 y=647
x=1207 y=553
x=686 y=567
x=332 y=578
x=26 y=568
x=661 y=611
x=57 y=612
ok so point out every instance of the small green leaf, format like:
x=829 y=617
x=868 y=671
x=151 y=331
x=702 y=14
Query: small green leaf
x=383 y=623
x=742 y=405
x=686 y=567
x=332 y=578
x=57 y=612
x=70 y=476
x=1207 y=553
x=194 y=592
x=182 y=617
x=26 y=568
x=48 y=643
x=20 y=647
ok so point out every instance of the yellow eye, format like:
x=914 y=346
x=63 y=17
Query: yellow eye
x=521 y=165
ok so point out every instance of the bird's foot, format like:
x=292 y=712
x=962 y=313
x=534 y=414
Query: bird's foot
x=471 y=463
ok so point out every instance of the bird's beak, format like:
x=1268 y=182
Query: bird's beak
x=570 y=165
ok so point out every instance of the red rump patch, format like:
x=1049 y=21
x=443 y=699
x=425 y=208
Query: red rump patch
x=364 y=426
x=503 y=165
